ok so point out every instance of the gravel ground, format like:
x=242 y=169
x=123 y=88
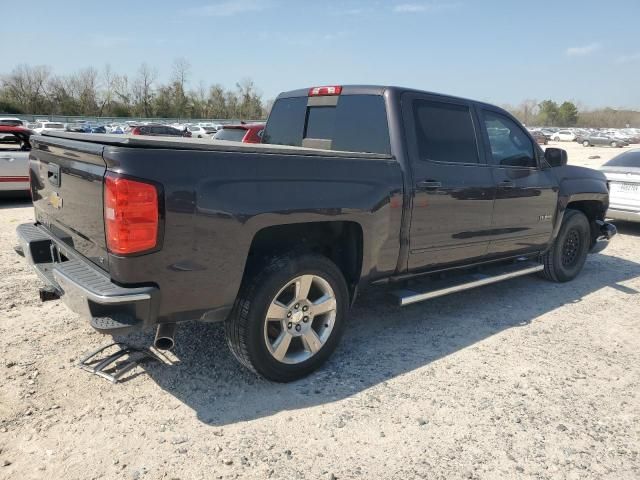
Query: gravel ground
x=524 y=379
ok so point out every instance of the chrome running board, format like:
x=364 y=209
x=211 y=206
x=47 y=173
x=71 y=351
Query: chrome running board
x=438 y=288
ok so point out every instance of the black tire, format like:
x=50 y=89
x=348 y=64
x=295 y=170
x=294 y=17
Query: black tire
x=585 y=143
x=614 y=144
x=565 y=259
x=244 y=328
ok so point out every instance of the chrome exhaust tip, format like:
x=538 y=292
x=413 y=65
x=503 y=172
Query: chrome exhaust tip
x=164 y=336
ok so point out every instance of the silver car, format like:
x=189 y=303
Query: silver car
x=623 y=173
x=14 y=159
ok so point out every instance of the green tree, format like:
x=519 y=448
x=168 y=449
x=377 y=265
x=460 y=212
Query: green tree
x=568 y=114
x=548 y=113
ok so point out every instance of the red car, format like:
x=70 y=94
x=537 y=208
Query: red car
x=245 y=132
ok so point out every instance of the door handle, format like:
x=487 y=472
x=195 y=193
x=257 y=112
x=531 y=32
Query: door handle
x=507 y=184
x=429 y=184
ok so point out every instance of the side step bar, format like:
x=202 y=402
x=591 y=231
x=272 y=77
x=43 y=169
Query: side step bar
x=438 y=288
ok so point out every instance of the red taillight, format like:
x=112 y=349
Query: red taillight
x=135 y=131
x=130 y=215
x=324 y=91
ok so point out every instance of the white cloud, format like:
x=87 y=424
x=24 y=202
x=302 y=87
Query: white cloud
x=430 y=7
x=583 y=50
x=228 y=8
x=632 y=57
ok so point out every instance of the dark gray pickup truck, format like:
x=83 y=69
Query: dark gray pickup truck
x=352 y=185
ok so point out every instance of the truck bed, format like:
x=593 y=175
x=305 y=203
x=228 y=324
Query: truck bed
x=141 y=141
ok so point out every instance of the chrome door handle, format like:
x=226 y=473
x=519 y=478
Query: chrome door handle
x=429 y=184
x=507 y=184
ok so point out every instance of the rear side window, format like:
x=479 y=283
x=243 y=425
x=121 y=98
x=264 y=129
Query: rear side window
x=231 y=134
x=510 y=146
x=286 y=122
x=445 y=132
x=358 y=123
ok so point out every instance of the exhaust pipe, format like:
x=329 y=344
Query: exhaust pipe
x=48 y=293
x=164 y=336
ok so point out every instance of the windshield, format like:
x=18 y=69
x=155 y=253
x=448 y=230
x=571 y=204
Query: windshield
x=627 y=159
x=232 y=134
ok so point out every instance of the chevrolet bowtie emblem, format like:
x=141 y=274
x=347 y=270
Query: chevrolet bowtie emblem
x=55 y=200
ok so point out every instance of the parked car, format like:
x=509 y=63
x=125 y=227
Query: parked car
x=14 y=159
x=12 y=122
x=623 y=174
x=540 y=138
x=48 y=126
x=563 y=136
x=98 y=129
x=198 y=131
x=600 y=139
x=245 y=132
x=159 y=130
x=352 y=185
x=79 y=127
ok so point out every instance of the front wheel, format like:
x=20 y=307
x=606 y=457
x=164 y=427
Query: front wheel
x=565 y=259
x=585 y=143
x=289 y=317
x=614 y=144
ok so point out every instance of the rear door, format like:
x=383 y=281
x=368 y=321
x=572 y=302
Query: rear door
x=67 y=188
x=453 y=187
x=526 y=195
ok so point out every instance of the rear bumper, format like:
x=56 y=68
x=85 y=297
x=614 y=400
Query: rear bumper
x=83 y=287
x=626 y=215
x=607 y=232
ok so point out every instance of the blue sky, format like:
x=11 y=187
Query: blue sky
x=493 y=50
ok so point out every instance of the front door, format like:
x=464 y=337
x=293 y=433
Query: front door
x=453 y=187
x=526 y=195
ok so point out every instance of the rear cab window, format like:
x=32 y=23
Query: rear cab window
x=352 y=123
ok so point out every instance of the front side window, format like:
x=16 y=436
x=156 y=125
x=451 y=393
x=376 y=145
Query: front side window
x=510 y=146
x=444 y=132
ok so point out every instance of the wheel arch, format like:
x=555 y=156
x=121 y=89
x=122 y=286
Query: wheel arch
x=340 y=241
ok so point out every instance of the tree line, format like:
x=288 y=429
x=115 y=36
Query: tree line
x=105 y=93
x=567 y=114
x=89 y=92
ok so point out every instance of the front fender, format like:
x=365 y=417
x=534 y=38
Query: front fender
x=579 y=184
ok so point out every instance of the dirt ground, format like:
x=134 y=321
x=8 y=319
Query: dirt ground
x=524 y=379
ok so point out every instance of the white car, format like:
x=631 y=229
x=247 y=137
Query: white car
x=623 y=173
x=564 y=136
x=12 y=122
x=200 y=131
x=48 y=126
x=14 y=164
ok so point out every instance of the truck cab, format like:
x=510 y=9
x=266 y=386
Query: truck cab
x=351 y=185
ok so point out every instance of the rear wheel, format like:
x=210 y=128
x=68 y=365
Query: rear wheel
x=614 y=144
x=585 y=143
x=565 y=259
x=289 y=318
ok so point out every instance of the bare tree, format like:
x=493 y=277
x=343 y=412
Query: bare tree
x=26 y=86
x=143 y=89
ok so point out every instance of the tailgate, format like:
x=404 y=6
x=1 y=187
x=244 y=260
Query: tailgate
x=624 y=191
x=67 y=178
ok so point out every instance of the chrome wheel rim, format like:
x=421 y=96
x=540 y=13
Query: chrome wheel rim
x=300 y=319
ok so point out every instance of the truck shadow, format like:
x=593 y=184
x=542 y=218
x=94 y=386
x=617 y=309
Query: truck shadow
x=381 y=342
x=628 y=228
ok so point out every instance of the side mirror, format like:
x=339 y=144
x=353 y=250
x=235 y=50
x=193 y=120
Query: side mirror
x=556 y=157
